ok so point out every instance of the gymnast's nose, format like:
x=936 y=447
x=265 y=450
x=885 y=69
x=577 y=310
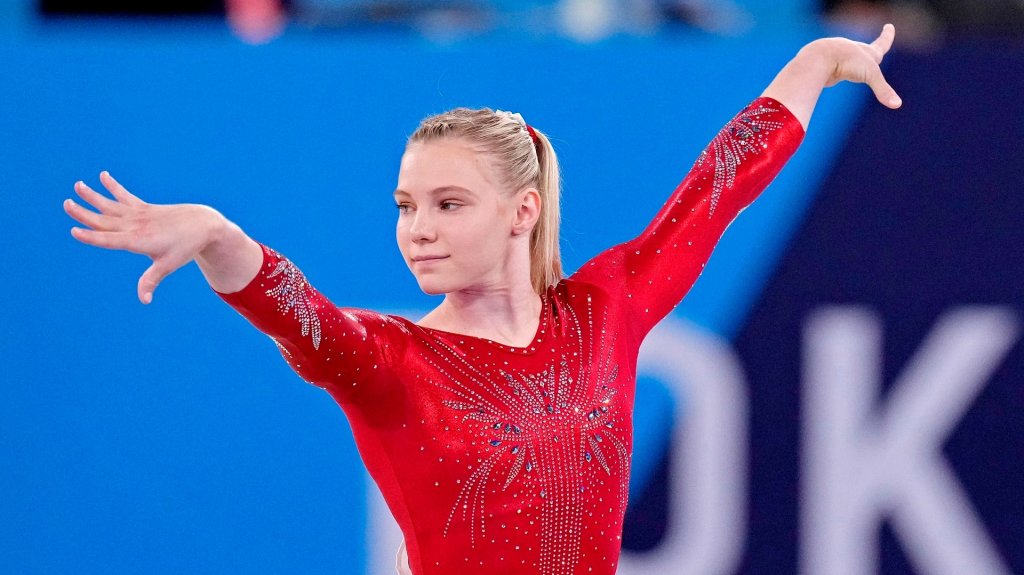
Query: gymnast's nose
x=423 y=228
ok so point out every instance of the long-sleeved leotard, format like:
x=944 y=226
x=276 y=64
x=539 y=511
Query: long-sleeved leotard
x=508 y=460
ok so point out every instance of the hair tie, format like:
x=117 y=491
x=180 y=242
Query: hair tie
x=518 y=118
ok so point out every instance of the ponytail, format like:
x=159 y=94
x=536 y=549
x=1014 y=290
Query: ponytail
x=545 y=256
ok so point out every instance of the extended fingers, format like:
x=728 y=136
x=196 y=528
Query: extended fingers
x=102 y=239
x=883 y=43
x=88 y=217
x=119 y=191
x=96 y=199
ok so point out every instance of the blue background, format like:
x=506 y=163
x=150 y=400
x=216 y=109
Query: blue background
x=171 y=438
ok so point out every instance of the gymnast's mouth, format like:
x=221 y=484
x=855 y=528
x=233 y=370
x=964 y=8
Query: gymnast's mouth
x=424 y=259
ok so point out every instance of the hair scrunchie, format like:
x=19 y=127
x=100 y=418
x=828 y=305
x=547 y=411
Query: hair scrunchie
x=518 y=118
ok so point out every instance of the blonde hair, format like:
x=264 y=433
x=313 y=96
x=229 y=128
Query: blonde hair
x=521 y=162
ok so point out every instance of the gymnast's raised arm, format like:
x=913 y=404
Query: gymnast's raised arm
x=655 y=270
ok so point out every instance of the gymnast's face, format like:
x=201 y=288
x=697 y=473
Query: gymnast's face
x=456 y=223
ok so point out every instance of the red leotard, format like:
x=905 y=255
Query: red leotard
x=506 y=460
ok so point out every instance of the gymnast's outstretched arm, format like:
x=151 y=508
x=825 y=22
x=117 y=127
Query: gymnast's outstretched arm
x=261 y=284
x=171 y=235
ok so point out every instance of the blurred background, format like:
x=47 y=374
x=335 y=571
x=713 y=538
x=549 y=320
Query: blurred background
x=841 y=392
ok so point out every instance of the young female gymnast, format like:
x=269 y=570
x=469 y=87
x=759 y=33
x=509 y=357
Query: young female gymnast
x=499 y=426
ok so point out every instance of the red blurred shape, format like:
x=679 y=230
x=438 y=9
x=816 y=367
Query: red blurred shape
x=255 y=21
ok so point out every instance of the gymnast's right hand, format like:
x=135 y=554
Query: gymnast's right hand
x=171 y=235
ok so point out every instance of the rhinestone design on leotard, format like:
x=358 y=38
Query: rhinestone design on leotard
x=553 y=434
x=745 y=135
x=292 y=294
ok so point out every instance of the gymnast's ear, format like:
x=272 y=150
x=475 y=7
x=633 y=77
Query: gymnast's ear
x=527 y=212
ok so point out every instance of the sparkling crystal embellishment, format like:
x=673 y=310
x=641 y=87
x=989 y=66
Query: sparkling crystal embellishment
x=547 y=435
x=292 y=294
x=744 y=136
